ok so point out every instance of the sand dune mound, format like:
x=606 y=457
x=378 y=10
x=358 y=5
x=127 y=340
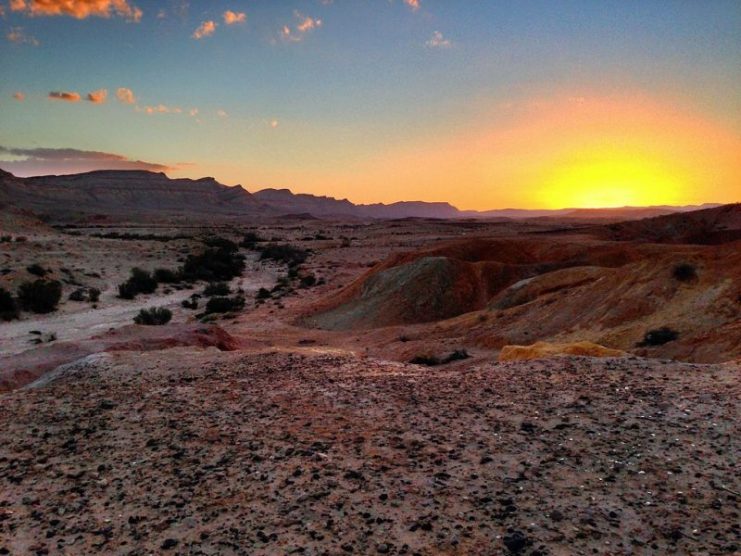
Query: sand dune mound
x=544 y=350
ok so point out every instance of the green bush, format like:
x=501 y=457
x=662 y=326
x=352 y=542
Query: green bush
x=224 y=304
x=143 y=281
x=8 y=306
x=127 y=291
x=153 y=317
x=216 y=288
x=40 y=296
x=140 y=281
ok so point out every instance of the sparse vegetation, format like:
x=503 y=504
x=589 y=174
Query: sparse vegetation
x=284 y=253
x=8 y=306
x=659 y=337
x=85 y=294
x=40 y=296
x=190 y=303
x=263 y=293
x=225 y=304
x=308 y=281
x=153 y=317
x=78 y=295
x=685 y=272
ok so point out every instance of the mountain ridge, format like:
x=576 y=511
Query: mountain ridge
x=143 y=192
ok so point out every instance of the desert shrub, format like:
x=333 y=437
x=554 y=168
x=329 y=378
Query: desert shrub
x=127 y=291
x=216 y=288
x=308 y=280
x=8 y=306
x=190 y=303
x=93 y=295
x=140 y=281
x=40 y=296
x=213 y=264
x=221 y=243
x=263 y=293
x=659 y=337
x=78 y=295
x=251 y=239
x=684 y=272
x=37 y=270
x=6 y=239
x=224 y=304
x=154 y=316
x=284 y=253
x=166 y=276
x=143 y=281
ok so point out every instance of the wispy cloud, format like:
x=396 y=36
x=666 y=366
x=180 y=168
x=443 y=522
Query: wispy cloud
x=233 y=18
x=205 y=29
x=221 y=113
x=97 y=97
x=413 y=4
x=438 y=41
x=68 y=96
x=79 y=9
x=125 y=95
x=304 y=25
x=19 y=96
x=39 y=161
x=160 y=109
x=18 y=36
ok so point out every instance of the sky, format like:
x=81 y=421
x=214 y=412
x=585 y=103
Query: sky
x=485 y=104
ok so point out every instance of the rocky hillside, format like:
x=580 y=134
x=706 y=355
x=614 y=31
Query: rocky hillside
x=498 y=292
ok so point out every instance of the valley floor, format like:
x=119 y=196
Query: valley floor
x=205 y=452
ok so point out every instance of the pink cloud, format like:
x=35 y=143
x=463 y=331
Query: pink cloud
x=413 y=4
x=97 y=97
x=68 y=96
x=232 y=18
x=125 y=95
x=205 y=29
x=18 y=36
x=79 y=9
x=19 y=96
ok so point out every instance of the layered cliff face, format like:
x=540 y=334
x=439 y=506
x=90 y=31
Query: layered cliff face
x=127 y=192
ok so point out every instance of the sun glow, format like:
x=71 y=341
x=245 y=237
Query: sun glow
x=611 y=179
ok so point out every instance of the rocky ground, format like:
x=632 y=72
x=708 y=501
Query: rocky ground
x=188 y=451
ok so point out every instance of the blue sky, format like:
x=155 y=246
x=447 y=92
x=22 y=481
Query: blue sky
x=350 y=84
